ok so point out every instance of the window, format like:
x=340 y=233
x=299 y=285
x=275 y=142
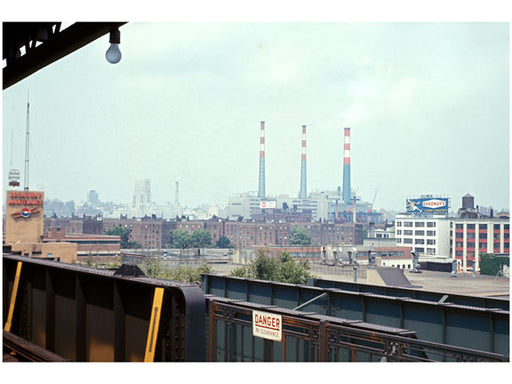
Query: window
x=471 y=226
x=482 y=226
x=496 y=227
x=398 y=223
x=459 y=226
x=420 y=250
x=419 y=224
x=431 y=224
x=408 y=232
x=419 y=233
x=431 y=233
x=398 y=231
x=431 y=242
x=419 y=241
x=407 y=241
x=407 y=223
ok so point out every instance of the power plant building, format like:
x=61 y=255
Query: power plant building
x=339 y=206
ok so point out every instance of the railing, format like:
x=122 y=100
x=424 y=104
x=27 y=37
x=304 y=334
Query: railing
x=477 y=328
x=308 y=337
x=414 y=293
x=85 y=314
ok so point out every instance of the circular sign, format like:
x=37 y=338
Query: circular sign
x=25 y=212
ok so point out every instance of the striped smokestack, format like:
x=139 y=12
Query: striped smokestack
x=346 y=168
x=261 y=185
x=303 y=194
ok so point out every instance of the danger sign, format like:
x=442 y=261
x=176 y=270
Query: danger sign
x=267 y=325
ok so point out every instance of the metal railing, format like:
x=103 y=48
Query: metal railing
x=308 y=337
x=86 y=314
x=443 y=322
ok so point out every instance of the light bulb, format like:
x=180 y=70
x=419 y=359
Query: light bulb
x=113 y=54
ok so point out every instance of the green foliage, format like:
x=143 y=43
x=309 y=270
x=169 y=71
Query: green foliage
x=491 y=264
x=179 y=238
x=223 y=242
x=183 y=273
x=201 y=238
x=124 y=234
x=299 y=236
x=283 y=268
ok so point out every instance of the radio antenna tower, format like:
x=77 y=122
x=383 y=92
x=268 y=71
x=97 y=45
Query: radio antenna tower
x=27 y=143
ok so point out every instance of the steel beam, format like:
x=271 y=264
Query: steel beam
x=473 y=327
x=94 y=315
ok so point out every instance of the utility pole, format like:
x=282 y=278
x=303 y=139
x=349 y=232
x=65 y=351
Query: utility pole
x=27 y=144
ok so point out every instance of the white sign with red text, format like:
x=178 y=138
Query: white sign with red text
x=267 y=204
x=267 y=325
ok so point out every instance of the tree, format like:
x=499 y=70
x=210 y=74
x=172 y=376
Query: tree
x=201 y=238
x=491 y=264
x=223 y=242
x=283 y=268
x=299 y=236
x=124 y=233
x=179 y=239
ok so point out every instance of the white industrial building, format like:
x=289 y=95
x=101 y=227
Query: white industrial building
x=426 y=235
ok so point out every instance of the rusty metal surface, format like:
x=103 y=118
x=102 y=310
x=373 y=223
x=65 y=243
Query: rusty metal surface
x=17 y=349
x=474 y=327
x=85 y=314
x=313 y=337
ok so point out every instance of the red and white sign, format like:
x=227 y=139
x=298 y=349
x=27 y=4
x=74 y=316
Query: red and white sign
x=434 y=203
x=267 y=325
x=267 y=204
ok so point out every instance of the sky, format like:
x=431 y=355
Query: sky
x=427 y=103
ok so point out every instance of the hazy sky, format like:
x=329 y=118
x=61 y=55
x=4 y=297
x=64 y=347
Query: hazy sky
x=427 y=103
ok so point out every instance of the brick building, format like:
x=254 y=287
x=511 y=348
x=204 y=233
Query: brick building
x=87 y=244
x=469 y=238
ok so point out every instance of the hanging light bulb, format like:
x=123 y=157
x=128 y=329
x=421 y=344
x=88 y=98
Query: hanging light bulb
x=113 y=54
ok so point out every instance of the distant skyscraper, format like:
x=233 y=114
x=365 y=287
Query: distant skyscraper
x=261 y=184
x=142 y=196
x=177 y=206
x=346 y=169
x=303 y=194
x=92 y=197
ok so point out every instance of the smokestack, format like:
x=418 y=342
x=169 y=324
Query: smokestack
x=261 y=185
x=346 y=168
x=177 y=193
x=303 y=194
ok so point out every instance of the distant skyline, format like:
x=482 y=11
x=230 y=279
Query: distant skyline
x=427 y=103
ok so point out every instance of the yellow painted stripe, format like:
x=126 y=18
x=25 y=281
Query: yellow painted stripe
x=14 y=293
x=154 y=323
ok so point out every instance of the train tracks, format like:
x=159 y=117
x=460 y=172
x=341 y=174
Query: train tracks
x=16 y=349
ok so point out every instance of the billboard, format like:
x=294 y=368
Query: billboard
x=428 y=205
x=24 y=216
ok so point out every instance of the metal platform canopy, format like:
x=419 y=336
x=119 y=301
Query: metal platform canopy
x=28 y=47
